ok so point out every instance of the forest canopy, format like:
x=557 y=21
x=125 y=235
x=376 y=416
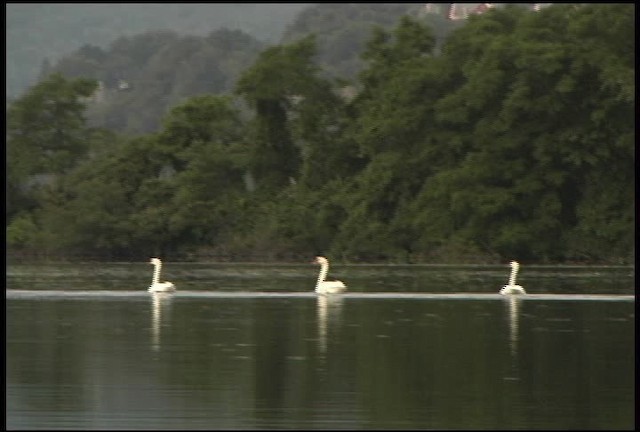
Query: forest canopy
x=514 y=139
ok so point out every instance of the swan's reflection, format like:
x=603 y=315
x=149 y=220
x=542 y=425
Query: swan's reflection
x=160 y=302
x=329 y=308
x=513 y=305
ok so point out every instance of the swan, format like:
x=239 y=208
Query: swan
x=157 y=286
x=512 y=288
x=323 y=286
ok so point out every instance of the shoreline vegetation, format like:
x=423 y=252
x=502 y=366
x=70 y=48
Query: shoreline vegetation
x=28 y=257
x=513 y=140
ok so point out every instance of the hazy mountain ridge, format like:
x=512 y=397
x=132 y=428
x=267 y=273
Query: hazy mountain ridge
x=161 y=67
x=143 y=76
x=35 y=32
x=343 y=29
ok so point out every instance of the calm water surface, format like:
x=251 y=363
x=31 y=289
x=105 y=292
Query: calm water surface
x=252 y=347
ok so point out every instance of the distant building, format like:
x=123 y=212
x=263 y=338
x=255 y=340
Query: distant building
x=435 y=8
x=537 y=6
x=461 y=11
x=458 y=11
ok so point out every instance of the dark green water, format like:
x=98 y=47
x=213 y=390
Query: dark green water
x=251 y=347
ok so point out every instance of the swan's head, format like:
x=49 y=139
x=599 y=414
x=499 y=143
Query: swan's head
x=154 y=261
x=515 y=264
x=320 y=260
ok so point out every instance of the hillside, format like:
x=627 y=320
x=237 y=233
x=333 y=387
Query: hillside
x=142 y=76
x=35 y=32
x=343 y=30
x=514 y=140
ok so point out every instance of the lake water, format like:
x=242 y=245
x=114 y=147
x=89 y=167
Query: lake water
x=250 y=346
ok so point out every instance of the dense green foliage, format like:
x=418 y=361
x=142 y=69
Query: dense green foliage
x=46 y=136
x=515 y=140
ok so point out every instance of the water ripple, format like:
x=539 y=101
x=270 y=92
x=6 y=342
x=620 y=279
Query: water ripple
x=106 y=294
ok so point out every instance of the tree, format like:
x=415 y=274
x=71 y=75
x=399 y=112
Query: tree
x=280 y=76
x=91 y=208
x=391 y=117
x=46 y=128
x=46 y=134
x=203 y=138
x=531 y=114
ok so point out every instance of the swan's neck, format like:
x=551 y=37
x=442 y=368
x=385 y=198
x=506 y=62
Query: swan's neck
x=512 y=277
x=324 y=269
x=156 y=273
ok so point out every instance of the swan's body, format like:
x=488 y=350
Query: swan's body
x=156 y=285
x=327 y=287
x=511 y=287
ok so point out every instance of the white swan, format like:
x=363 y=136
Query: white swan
x=323 y=286
x=156 y=285
x=511 y=287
